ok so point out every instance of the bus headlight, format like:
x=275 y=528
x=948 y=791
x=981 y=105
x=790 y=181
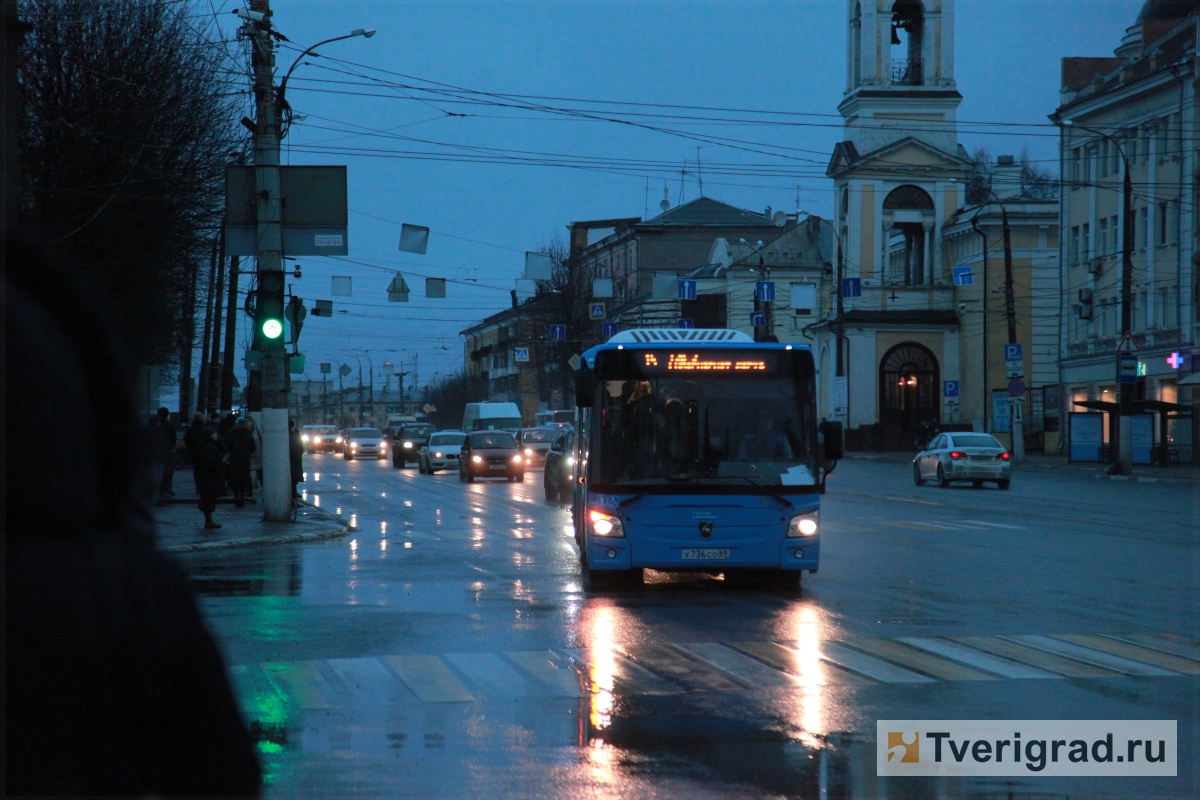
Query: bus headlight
x=606 y=524
x=806 y=524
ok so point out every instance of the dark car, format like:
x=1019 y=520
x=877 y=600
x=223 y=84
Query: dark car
x=491 y=454
x=560 y=466
x=408 y=442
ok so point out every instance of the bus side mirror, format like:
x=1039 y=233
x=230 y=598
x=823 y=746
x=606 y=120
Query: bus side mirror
x=585 y=387
x=835 y=446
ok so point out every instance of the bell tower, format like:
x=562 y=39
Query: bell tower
x=900 y=69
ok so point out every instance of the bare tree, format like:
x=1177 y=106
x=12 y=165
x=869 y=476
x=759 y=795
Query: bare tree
x=979 y=177
x=129 y=112
x=1037 y=182
x=562 y=300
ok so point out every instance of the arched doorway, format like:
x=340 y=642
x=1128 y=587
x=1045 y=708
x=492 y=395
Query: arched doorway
x=908 y=382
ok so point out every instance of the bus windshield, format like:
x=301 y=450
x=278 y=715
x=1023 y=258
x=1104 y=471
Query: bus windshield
x=728 y=428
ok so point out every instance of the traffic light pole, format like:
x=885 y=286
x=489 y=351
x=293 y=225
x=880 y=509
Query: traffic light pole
x=277 y=480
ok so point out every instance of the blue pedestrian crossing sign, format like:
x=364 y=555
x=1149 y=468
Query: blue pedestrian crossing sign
x=558 y=332
x=949 y=388
x=764 y=291
x=758 y=319
x=597 y=311
x=963 y=276
x=687 y=290
x=610 y=330
x=686 y=322
x=851 y=287
x=521 y=353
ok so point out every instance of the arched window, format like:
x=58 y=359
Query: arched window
x=908 y=383
x=909 y=243
x=908 y=196
x=908 y=23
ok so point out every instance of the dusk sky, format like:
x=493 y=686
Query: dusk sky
x=555 y=154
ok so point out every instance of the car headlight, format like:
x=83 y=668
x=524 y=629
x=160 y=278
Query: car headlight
x=477 y=459
x=437 y=455
x=606 y=524
x=338 y=440
x=528 y=451
x=806 y=524
x=354 y=445
x=304 y=437
x=408 y=445
x=570 y=460
x=517 y=459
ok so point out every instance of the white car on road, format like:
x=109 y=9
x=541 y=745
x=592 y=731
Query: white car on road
x=441 y=452
x=974 y=457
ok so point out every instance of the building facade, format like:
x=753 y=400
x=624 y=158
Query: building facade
x=1136 y=108
x=503 y=357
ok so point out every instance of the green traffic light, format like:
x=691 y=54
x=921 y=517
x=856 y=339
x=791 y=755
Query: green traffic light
x=272 y=329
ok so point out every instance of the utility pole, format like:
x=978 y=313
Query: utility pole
x=189 y=340
x=277 y=480
x=987 y=422
x=1016 y=417
x=205 y=373
x=214 y=365
x=226 y=402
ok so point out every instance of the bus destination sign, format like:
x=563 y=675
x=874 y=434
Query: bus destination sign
x=709 y=362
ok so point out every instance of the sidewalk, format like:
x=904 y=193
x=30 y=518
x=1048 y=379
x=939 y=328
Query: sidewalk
x=1043 y=462
x=181 y=525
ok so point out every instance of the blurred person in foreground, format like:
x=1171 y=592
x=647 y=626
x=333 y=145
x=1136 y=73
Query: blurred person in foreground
x=114 y=683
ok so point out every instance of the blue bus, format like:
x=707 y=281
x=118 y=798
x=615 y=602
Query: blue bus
x=699 y=449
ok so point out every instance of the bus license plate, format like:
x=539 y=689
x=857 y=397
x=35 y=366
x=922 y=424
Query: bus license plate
x=705 y=554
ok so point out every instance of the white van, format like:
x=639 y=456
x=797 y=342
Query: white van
x=492 y=417
x=553 y=417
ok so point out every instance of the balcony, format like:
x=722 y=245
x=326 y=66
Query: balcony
x=906 y=72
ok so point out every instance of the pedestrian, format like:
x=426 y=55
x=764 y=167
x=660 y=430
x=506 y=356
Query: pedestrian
x=226 y=424
x=114 y=684
x=210 y=474
x=240 y=446
x=191 y=440
x=256 y=461
x=157 y=456
x=170 y=439
x=295 y=456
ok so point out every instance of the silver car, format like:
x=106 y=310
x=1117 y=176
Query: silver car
x=441 y=452
x=364 y=443
x=974 y=457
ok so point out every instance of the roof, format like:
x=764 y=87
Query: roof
x=804 y=244
x=679 y=335
x=910 y=319
x=707 y=211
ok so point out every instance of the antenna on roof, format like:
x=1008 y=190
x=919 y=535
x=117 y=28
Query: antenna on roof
x=664 y=204
x=699 y=174
x=682 y=177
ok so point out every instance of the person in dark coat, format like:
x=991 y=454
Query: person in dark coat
x=296 y=456
x=226 y=425
x=114 y=684
x=241 y=446
x=170 y=437
x=191 y=440
x=210 y=474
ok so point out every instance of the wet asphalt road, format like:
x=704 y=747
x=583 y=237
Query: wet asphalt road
x=448 y=647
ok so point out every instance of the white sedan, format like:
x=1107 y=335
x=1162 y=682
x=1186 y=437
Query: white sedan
x=974 y=457
x=442 y=452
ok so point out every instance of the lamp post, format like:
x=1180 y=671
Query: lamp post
x=281 y=103
x=371 y=381
x=1124 y=460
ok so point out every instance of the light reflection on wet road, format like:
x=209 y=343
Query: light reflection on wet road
x=447 y=646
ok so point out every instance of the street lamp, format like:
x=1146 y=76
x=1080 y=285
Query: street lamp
x=281 y=102
x=757 y=248
x=1124 y=463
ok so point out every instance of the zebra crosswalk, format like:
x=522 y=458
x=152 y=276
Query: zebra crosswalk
x=670 y=669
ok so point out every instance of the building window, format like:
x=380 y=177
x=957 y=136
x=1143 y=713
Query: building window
x=1075 y=245
x=706 y=311
x=1102 y=238
x=1076 y=169
x=1115 y=226
x=1144 y=241
x=1103 y=158
x=1131 y=145
x=1086 y=243
x=1115 y=155
x=1163 y=214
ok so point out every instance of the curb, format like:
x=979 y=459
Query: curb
x=228 y=544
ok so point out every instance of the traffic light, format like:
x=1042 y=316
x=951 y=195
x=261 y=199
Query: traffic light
x=270 y=309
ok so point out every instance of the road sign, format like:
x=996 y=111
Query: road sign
x=344 y=370
x=1016 y=387
x=841 y=395
x=326 y=369
x=687 y=290
x=398 y=290
x=521 y=354
x=574 y=361
x=597 y=311
x=429 y=408
x=1013 y=352
x=758 y=319
x=610 y=330
x=686 y=322
x=1016 y=409
x=1128 y=345
x=963 y=276
x=764 y=291
x=324 y=308
x=950 y=388
x=1128 y=369
x=558 y=332
x=851 y=287
x=1014 y=360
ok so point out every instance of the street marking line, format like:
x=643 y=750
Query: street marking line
x=870 y=666
x=925 y=662
x=1089 y=656
x=491 y=672
x=916 y=526
x=430 y=679
x=366 y=677
x=624 y=675
x=689 y=672
x=976 y=658
x=1133 y=651
x=1036 y=658
x=999 y=525
x=1173 y=645
x=742 y=668
x=301 y=682
x=541 y=665
x=808 y=667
